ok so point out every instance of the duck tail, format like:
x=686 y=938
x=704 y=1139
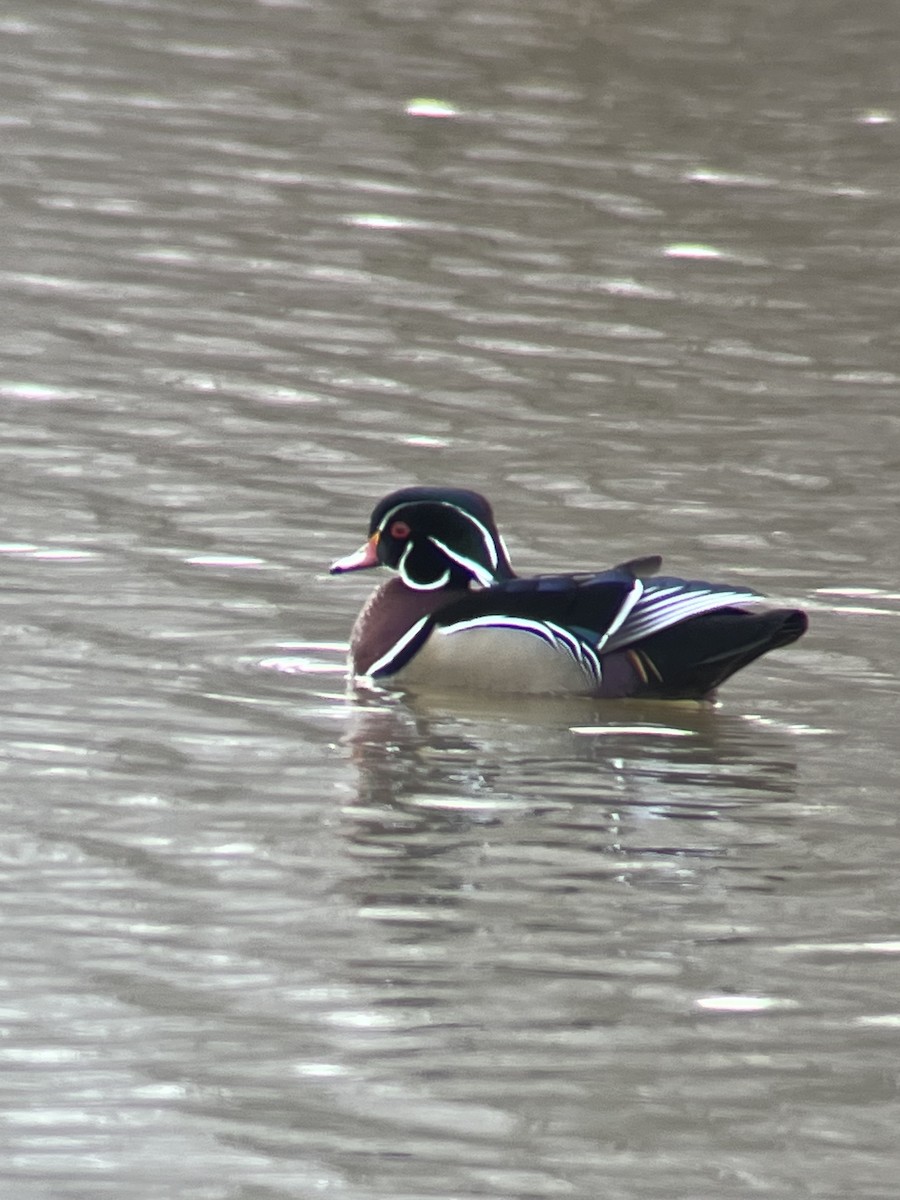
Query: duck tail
x=692 y=659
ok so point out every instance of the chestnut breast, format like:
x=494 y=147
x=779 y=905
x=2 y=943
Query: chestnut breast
x=386 y=616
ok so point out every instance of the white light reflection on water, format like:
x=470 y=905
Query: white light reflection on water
x=743 y=1004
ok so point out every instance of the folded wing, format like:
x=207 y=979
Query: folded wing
x=583 y=616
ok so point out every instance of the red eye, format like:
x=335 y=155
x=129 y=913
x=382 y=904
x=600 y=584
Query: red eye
x=399 y=530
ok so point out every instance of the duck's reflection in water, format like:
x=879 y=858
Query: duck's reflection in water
x=623 y=780
x=533 y=910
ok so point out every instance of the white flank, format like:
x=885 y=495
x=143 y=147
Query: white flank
x=561 y=639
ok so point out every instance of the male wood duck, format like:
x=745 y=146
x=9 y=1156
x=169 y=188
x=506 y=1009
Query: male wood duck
x=456 y=615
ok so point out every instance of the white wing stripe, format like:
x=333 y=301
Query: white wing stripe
x=621 y=616
x=660 y=609
x=675 y=610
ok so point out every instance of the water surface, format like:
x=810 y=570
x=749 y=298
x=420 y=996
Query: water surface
x=629 y=269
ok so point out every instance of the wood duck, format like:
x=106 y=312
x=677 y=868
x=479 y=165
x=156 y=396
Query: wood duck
x=455 y=615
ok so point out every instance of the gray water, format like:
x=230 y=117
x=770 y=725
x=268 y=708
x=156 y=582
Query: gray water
x=631 y=269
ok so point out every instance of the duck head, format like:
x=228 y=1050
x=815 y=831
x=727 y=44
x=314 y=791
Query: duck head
x=434 y=538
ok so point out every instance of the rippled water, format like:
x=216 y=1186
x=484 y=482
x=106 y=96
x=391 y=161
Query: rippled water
x=630 y=269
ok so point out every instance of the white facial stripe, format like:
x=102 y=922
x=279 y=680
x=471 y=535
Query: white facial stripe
x=389 y=516
x=485 y=536
x=483 y=530
x=414 y=583
x=484 y=577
